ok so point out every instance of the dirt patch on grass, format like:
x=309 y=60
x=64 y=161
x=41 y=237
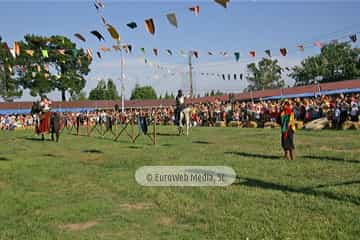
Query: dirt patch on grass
x=78 y=226
x=326 y=148
x=136 y=206
x=166 y=221
x=2 y=185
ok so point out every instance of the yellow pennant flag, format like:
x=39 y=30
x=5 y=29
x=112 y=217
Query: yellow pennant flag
x=30 y=52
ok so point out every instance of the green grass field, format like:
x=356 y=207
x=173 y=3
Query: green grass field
x=84 y=188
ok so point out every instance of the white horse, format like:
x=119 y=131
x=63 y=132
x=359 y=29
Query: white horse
x=184 y=116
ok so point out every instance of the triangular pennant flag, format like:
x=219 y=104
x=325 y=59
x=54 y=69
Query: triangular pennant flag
x=17 y=48
x=241 y=76
x=237 y=56
x=103 y=20
x=353 y=38
x=268 y=52
x=89 y=54
x=116 y=47
x=61 y=51
x=96 y=6
x=132 y=25
x=113 y=32
x=150 y=27
x=223 y=76
x=105 y=49
x=99 y=3
x=155 y=51
x=229 y=76
x=99 y=55
x=169 y=52
x=12 y=51
x=129 y=48
x=30 y=52
x=222 y=2
x=98 y=35
x=210 y=53
x=235 y=76
x=287 y=69
x=318 y=44
x=142 y=50
x=183 y=53
x=196 y=10
x=45 y=53
x=172 y=19
x=79 y=36
x=146 y=61
x=252 y=53
x=196 y=54
x=283 y=51
x=301 y=48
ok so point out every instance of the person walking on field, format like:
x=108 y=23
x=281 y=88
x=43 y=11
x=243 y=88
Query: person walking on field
x=287 y=131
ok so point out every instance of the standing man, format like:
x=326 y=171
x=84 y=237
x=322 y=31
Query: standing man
x=287 y=131
x=180 y=105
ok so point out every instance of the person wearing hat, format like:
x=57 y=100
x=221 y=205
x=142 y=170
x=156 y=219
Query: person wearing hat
x=287 y=131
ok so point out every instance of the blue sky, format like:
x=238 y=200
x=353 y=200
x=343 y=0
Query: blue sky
x=243 y=26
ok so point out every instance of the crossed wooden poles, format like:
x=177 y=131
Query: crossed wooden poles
x=103 y=128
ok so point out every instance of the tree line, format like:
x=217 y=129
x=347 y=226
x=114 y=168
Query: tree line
x=54 y=63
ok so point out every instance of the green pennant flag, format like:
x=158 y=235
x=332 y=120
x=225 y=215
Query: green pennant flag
x=142 y=50
x=45 y=53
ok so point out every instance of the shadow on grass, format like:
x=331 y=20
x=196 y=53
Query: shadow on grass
x=4 y=159
x=201 y=142
x=167 y=145
x=135 y=147
x=167 y=134
x=327 y=158
x=311 y=191
x=254 y=155
x=93 y=151
x=50 y=155
x=36 y=139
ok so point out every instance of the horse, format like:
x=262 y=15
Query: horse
x=184 y=119
x=54 y=122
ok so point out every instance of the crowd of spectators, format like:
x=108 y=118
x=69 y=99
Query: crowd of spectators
x=336 y=108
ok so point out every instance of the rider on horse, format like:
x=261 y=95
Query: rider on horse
x=180 y=105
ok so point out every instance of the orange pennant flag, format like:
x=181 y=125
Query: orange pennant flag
x=17 y=48
x=150 y=27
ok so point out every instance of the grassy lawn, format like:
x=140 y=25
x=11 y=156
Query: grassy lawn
x=84 y=188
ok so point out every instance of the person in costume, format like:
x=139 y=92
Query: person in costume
x=180 y=105
x=287 y=121
x=45 y=114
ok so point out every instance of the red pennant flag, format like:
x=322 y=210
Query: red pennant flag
x=196 y=10
x=252 y=53
x=319 y=44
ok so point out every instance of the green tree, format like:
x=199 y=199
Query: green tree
x=143 y=92
x=78 y=96
x=9 y=84
x=56 y=63
x=336 y=62
x=264 y=75
x=104 y=91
